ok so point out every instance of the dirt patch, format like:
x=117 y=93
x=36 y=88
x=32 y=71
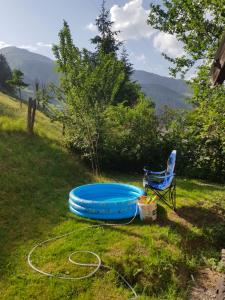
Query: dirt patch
x=205 y=285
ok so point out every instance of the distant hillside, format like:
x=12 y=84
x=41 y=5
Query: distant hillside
x=163 y=90
x=33 y=65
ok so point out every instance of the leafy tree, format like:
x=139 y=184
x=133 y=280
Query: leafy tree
x=130 y=135
x=88 y=93
x=199 y=134
x=5 y=75
x=88 y=89
x=42 y=95
x=17 y=82
x=199 y=25
x=208 y=124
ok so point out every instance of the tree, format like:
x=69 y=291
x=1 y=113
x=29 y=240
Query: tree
x=87 y=90
x=42 y=95
x=199 y=134
x=127 y=64
x=130 y=135
x=5 y=75
x=199 y=25
x=17 y=82
x=107 y=40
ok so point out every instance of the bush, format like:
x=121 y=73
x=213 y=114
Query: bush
x=130 y=135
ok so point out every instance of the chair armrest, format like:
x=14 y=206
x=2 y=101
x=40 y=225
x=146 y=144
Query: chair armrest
x=164 y=177
x=154 y=173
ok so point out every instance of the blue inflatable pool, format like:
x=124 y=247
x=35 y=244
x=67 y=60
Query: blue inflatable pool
x=106 y=201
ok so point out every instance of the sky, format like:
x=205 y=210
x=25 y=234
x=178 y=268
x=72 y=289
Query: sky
x=34 y=25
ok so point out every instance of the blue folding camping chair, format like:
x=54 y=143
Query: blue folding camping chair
x=163 y=184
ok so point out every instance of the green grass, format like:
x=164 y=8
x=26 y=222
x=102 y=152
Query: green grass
x=36 y=175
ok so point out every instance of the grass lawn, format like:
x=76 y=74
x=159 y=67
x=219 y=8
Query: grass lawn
x=158 y=259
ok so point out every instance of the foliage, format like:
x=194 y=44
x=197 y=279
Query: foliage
x=91 y=84
x=99 y=88
x=130 y=135
x=87 y=89
x=5 y=75
x=42 y=95
x=208 y=125
x=106 y=41
x=199 y=25
x=198 y=135
x=17 y=81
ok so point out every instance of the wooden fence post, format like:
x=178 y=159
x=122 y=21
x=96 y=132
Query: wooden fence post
x=31 y=115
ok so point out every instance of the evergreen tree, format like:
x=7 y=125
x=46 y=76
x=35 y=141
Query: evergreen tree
x=127 y=64
x=5 y=75
x=107 y=40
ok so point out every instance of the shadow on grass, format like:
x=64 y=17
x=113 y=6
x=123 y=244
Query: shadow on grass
x=110 y=225
x=36 y=177
x=209 y=223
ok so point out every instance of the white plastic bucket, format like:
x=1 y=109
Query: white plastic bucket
x=148 y=211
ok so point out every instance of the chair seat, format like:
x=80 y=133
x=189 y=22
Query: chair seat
x=159 y=186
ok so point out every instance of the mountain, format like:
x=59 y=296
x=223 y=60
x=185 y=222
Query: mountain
x=33 y=65
x=162 y=90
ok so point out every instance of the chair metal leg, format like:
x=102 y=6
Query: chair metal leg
x=171 y=191
x=172 y=196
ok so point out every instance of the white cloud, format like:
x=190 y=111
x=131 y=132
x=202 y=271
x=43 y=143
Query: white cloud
x=41 y=44
x=35 y=47
x=92 y=27
x=4 y=44
x=131 y=20
x=138 y=57
x=168 y=44
x=28 y=47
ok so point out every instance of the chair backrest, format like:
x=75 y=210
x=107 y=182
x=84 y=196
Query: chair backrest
x=171 y=162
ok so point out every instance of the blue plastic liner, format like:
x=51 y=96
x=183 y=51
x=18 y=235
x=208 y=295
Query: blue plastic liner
x=105 y=201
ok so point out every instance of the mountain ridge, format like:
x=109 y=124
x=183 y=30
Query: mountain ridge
x=161 y=89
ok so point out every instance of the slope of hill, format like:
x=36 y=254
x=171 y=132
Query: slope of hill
x=165 y=96
x=162 y=90
x=177 y=85
x=36 y=175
